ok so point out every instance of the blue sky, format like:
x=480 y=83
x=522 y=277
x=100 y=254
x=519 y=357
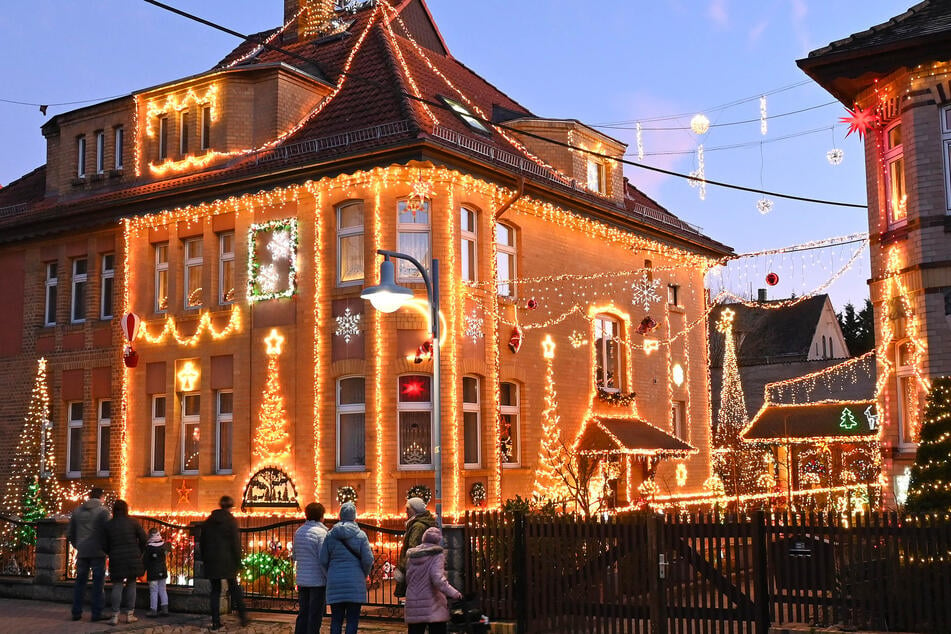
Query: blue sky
x=616 y=60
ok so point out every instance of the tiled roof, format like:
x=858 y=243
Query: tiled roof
x=24 y=191
x=928 y=18
x=848 y=421
x=629 y=435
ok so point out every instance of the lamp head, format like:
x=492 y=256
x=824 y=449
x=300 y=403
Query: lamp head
x=387 y=296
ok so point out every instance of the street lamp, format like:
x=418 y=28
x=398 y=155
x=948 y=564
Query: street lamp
x=387 y=297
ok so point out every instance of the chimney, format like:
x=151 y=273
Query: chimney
x=761 y=295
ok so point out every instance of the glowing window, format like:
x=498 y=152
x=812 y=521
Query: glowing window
x=415 y=414
x=607 y=353
x=191 y=432
x=193 y=267
x=413 y=238
x=505 y=259
x=509 y=416
x=161 y=277
x=350 y=243
x=226 y=267
x=468 y=250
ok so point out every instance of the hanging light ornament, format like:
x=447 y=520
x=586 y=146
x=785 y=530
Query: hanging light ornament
x=860 y=121
x=699 y=124
x=762 y=115
x=422 y=190
x=640 y=143
x=835 y=155
x=764 y=205
x=698 y=176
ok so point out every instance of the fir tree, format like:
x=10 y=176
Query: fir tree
x=930 y=487
x=271 y=438
x=549 y=482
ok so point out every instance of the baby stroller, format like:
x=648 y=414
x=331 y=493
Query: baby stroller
x=465 y=615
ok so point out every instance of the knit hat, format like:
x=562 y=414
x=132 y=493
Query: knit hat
x=416 y=505
x=155 y=538
x=348 y=512
x=432 y=536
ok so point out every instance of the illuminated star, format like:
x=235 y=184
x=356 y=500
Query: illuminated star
x=548 y=347
x=274 y=342
x=860 y=121
x=726 y=319
x=184 y=493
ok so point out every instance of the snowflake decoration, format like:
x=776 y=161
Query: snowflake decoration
x=416 y=201
x=268 y=278
x=576 y=339
x=280 y=245
x=348 y=325
x=474 y=326
x=700 y=124
x=835 y=156
x=645 y=291
x=764 y=205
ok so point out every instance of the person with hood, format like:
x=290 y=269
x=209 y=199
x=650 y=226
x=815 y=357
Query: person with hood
x=347 y=559
x=124 y=542
x=311 y=579
x=426 y=586
x=220 y=545
x=418 y=521
x=156 y=572
x=85 y=534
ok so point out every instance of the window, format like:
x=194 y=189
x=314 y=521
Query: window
x=505 y=259
x=100 y=152
x=509 y=415
x=895 y=172
x=193 y=262
x=673 y=294
x=183 y=134
x=103 y=438
x=81 y=157
x=78 y=306
x=163 y=138
x=161 y=277
x=120 y=139
x=413 y=239
x=191 y=432
x=226 y=268
x=351 y=424
x=677 y=421
x=74 y=439
x=52 y=284
x=607 y=329
x=596 y=176
x=224 y=431
x=471 y=427
x=107 y=285
x=468 y=250
x=463 y=113
x=415 y=413
x=825 y=354
x=350 y=243
x=907 y=393
x=158 y=435
x=205 y=127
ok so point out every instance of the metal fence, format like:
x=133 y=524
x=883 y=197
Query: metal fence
x=17 y=547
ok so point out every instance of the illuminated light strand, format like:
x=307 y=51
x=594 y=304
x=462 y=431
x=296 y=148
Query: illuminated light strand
x=170 y=328
x=136 y=164
x=124 y=390
x=454 y=346
x=189 y=162
x=272 y=445
x=773 y=391
x=548 y=484
x=319 y=220
x=260 y=47
x=639 y=452
x=496 y=404
x=693 y=498
x=172 y=102
x=669 y=363
x=378 y=350
x=405 y=67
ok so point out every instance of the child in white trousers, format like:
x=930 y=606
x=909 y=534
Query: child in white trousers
x=156 y=572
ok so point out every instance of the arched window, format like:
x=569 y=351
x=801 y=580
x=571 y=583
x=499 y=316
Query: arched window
x=607 y=353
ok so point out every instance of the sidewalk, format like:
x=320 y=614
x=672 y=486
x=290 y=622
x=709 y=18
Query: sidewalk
x=41 y=617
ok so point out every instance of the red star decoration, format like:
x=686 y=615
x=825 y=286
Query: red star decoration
x=184 y=493
x=860 y=121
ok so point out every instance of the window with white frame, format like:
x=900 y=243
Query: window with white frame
x=193 y=266
x=673 y=294
x=224 y=431
x=607 y=353
x=463 y=113
x=205 y=127
x=163 y=138
x=226 y=267
x=161 y=277
x=157 y=467
x=677 y=418
x=471 y=422
x=183 y=133
x=100 y=151
x=596 y=175
x=119 y=141
x=908 y=397
x=103 y=438
x=895 y=176
x=415 y=414
x=81 y=157
x=469 y=246
x=946 y=152
x=77 y=309
x=74 y=439
x=509 y=416
x=191 y=432
x=351 y=424
x=413 y=238
x=350 y=218
x=107 y=285
x=505 y=259
x=52 y=286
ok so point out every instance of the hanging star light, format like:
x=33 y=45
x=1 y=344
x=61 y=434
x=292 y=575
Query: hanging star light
x=860 y=121
x=699 y=124
x=645 y=291
x=764 y=205
x=835 y=156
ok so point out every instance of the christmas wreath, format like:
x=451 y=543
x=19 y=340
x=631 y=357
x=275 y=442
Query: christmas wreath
x=478 y=494
x=420 y=491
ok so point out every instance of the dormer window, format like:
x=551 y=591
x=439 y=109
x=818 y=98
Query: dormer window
x=205 y=127
x=81 y=157
x=596 y=176
x=183 y=134
x=463 y=113
x=100 y=152
x=120 y=139
x=163 y=139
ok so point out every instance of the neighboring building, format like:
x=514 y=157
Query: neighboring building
x=238 y=213
x=898 y=72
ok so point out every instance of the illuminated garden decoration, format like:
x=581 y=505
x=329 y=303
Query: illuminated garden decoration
x=930 y=488
x=549 y=486
x=271 y=438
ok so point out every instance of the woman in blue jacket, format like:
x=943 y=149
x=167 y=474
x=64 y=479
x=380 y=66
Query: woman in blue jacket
x=347 y=559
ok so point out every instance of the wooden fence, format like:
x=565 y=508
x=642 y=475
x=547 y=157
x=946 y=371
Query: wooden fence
x=704 y=573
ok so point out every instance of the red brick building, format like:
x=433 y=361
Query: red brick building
x=238 y=212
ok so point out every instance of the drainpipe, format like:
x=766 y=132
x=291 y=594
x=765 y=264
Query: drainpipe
x=511 y=201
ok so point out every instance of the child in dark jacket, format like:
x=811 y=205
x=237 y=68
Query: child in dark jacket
x=156 y=572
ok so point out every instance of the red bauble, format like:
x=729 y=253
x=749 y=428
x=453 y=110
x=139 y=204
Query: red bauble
x=772 y=279
x=531 y=304
x=515 y=340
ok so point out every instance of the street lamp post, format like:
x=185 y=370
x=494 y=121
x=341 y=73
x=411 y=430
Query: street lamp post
x=388 y=297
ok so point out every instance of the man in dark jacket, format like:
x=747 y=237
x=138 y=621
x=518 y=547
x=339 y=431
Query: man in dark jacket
x=85 y=534
x=221 y=553
x=418 y=521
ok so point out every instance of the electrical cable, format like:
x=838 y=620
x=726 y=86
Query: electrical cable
x=718 y=125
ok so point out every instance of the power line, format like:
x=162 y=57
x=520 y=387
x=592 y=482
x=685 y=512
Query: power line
x=61 y=103
x=736 y=146
x=442 y=106
x=718 y=125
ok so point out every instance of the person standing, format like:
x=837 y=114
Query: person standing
x=220 y=545
x=85 y=534
x=427 y=587
x=156 y=572
x=418 y=521
x=124 y=542
x=311 y=579
x=347 y=559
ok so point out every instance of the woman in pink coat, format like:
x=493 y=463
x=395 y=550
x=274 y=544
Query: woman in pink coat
x=426 y=586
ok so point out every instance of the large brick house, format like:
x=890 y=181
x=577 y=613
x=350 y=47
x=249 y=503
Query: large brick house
x=238 y=212
x=899 y=72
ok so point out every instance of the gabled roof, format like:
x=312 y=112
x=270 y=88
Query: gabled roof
x=839 y=421
x=630 y=436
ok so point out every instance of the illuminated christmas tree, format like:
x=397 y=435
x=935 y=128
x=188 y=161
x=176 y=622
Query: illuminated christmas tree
x=271 y=438
x=549 y=481
x=930 y=487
